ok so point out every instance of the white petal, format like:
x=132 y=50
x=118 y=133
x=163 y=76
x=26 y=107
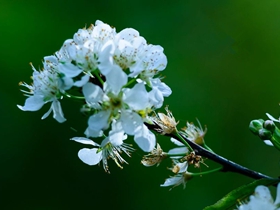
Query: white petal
x=175 y=141
x=137 y=97
x=104 y=143
x=161 y=86
x=47 y=113
x=263 y=193
x=277 y=200
x=131 y=122
x=103 y=32
x=90 y=156
x=84 y=140
x=268 y=142
x=105 y=58
x=155 y=58
x=171 y=181
x=50 y=58
x=83 y=81
x=32 y=103
x=145 y=139
x=92 y=133
x=66 y=83
x=272 y=118
x=127 y=34
x=69 y=69
x=99 y=121
x=178 y=150
x=156 y=98
x=116 y=79
x=183 y=167
x=92 y=93
x=116 y=135
x=57 y=111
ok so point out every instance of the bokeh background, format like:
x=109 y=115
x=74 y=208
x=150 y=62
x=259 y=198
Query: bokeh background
x=223 y=68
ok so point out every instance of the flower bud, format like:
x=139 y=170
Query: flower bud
x=256 y=125
x=264 y=134
x=269 y=125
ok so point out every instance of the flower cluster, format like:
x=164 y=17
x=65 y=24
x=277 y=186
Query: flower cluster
x=262 y=199
x=117 y=75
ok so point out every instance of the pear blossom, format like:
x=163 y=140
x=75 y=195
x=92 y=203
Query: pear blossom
x=121 y=104
x=114 y=75
x=158 y=92
x=133 y=52
x=154 y=157
x=46 y=87
x=181 y=177
x=81 y=54
x=262 y=199
x=166 y=123
x=100 y=47
x=194 y=133
x=110 y=147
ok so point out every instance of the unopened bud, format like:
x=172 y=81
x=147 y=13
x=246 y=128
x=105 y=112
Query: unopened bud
x=269 y=125
x=265 y=134
x=256 y=125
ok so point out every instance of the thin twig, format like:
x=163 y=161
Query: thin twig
x=228 y=165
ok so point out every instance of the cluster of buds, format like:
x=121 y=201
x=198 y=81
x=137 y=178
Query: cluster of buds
x=267 y=131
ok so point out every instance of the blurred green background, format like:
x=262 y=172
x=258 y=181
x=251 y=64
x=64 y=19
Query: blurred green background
x=223 y=68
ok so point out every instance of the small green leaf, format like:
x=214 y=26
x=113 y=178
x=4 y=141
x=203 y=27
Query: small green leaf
x=276 y=138
x=230 y=200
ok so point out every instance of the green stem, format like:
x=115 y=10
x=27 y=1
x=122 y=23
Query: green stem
x=207 y=172
x=72 y=96
x=182 y=154
x=129 y=82
x=96 y=73
x=184 y=141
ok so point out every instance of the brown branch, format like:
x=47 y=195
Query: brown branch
x=228 y=165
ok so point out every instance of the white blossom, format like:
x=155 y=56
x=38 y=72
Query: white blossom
x=181 y=177
x=115 y=76
x=46 y=87
x=154 y=157
x=110 y=147
x=121 y=104
x=261 y=200
x=195 y=133
x=81 y=54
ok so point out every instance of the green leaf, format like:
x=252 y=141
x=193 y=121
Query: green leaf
x=276 y=138
x=230 y=200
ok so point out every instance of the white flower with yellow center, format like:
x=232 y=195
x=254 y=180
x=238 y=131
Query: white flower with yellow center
x=121 y=104
x=110 y=147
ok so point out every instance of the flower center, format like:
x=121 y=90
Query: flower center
x=115 y=102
